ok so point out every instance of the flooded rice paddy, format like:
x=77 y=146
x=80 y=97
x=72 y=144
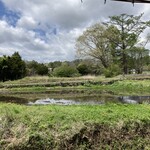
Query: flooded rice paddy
x=115 y=99
x=73 y=99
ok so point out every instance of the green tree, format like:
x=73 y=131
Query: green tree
x=112 y=70
x=83 y=69
x=42 y=69
x=54 y=64
x=110 y=42
x=31 y=68
x=12 y=67
x=4 y=70
x=137 y=58
x=17 y=66
x=129 y=28
x=35 y=68
x=88 y=66
x=65 y=71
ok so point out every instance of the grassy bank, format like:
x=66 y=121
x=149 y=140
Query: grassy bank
x=128 y=87
x=111 y=126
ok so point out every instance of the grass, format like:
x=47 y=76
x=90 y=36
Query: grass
x=128 y=87
x=109 y=126
x=32 y=88
x=54 y=127
x=46 y=79
x=117 y=84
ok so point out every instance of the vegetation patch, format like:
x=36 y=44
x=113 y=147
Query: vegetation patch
x=111 y=126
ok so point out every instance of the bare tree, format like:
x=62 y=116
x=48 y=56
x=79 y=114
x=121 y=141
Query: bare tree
x=94 y=43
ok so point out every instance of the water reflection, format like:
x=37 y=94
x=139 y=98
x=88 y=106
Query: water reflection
x=64 y=102
x=119 y=99
x=85 y=100
x=12 y=99
x=135 y=99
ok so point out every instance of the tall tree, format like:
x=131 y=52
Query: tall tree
x=111 y=41
x=130 y=28
x=4 y=68
x=17 y=66
x=12 y=67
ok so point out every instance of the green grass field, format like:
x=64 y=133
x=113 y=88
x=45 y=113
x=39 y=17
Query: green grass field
x=75 y=127
x=111 y=126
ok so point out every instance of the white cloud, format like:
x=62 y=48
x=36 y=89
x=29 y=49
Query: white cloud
x=27 y=22
x=59 y=46
x=70 y=17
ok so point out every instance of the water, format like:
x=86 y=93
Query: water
x=12 y=99
x=64 y=102
x=83 y=100
x=135 y=99
x=119 y=99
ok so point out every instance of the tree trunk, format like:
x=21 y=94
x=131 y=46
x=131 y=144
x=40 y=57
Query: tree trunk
x=124 y=63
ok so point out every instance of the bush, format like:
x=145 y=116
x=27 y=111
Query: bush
x=42 y=69
x=65 y=71
x=83 y=69
x=35 y=68
x=112 y=71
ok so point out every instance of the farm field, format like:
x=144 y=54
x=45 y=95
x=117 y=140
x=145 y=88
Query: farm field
x=106 y=123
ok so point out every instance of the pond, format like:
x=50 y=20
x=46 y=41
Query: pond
x=81 y=100
x=115 y=99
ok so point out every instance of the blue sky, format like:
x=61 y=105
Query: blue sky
x=2 y=9
x=46 y=30
x=11 y=16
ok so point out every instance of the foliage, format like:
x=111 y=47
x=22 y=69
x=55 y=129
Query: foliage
x=114 y=41
x=137 y=58
x=129 y=28
x=28 y=87
x=94 y=44
x=65 y=71
x=42 y=69
x=88 y=66
x=35 y=68
x=112 y=71
x=83 y=69
x=12 y=68
x=54 y=127
x=54 y=64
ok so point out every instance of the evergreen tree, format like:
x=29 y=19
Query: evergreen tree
x=12 y=67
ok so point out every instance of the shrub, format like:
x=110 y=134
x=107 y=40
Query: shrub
x=112 y=71
x=42 y=69
x=65 y=71
x=35 y=68
x=83 y=69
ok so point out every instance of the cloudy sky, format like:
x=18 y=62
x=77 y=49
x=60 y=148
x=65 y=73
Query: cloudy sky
x=46 y=30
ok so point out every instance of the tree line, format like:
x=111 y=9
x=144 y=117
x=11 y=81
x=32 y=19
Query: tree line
x=13 y=68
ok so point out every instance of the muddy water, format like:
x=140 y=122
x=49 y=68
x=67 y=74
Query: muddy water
x=135 y=99
x=12 y=99
x=115 y=99
x=85 y=100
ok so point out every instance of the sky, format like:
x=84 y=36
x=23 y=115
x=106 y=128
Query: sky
x=46 y=30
